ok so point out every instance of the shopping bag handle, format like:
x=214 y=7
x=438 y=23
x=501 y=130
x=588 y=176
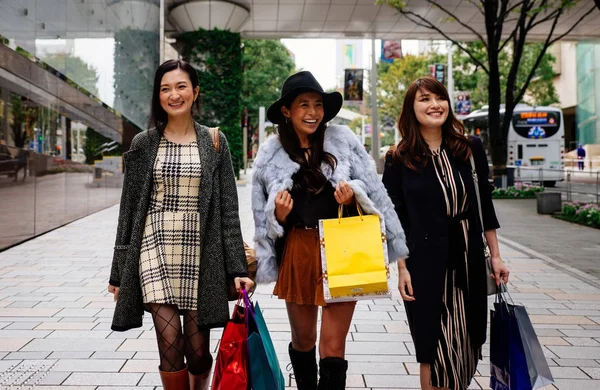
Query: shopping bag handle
x=341 y=211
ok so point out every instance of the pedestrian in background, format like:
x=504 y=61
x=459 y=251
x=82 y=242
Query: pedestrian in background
x=580 y=157
x=443 y=281
x=302 y=175
x=179 y=240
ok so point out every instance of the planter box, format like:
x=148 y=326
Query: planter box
x=548 y=202
x=514 y=197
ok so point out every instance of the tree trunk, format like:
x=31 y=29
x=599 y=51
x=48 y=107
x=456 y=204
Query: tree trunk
x=497 y=140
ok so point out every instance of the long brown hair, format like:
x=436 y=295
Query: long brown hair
x=412 y=148
x=313 y=180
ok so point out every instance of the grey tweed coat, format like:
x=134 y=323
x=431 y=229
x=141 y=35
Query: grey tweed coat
x=222 y=248
x=273 y=170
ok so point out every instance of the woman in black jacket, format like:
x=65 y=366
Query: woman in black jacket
x=443 y=281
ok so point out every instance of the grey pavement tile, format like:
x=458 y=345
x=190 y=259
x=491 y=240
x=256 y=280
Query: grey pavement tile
x=6 y=365
x=84 y=313
x=63 y=304
x=22 y=304
x=72 y=345
x=27 y=312
x=65 y=326
x=392 y=381
x=577 y=362
x=70 y=355
x=582 y=341
x=150 y=379
x=592 y=372
x=375 y=348
x=567 y=373
x=78 y=334
x=27 y=355
x=47 y=379
x=581 y=332
x=142 y=345
x=365 y=328
x=575 y=352
x=376 y=368
x=125 y=388
x=103 y=379
x=386 y=337
x=576 y=384
x=21 y=326
x=113 y=355
x=130 y=334
x=141 y=365
x=11 y=345
x=10 y=334
x=89 y=365
x=30 y=319
x=145 y=355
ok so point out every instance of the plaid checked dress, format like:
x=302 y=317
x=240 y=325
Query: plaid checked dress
x=170 y=250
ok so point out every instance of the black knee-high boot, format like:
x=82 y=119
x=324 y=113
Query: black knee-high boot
x=305 y=368
x=333 y=373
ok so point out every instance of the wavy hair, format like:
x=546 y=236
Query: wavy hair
x=412 y=149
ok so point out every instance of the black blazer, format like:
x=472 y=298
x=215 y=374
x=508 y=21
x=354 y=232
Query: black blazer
x=420 y=205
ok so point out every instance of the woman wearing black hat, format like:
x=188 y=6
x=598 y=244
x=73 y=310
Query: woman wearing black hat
x=300 y=176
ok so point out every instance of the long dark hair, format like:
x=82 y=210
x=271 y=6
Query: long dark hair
x=158 y=115
x=312 y=178
x=412 y=149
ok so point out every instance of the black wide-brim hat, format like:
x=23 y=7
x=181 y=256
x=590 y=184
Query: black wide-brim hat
x=299 y=83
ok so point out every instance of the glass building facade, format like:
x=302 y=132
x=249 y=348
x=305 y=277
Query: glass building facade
x=588 y=93
x=75 y=87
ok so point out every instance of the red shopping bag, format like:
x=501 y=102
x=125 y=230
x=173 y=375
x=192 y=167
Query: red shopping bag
x=231 y=368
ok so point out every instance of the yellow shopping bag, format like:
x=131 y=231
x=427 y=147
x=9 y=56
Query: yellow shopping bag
x=354 y=258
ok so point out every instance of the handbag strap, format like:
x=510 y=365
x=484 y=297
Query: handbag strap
x=214 y=133
x=476 y=180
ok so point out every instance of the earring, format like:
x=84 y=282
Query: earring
x=287 y=120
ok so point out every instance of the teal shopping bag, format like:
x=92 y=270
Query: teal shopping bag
x=265 y=373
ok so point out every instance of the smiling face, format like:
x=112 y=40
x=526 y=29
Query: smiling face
x=431 y=110
x=177 y=94
x=306 y=113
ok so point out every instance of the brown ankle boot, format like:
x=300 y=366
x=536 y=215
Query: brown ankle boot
x=175 y=380
x=200 y=382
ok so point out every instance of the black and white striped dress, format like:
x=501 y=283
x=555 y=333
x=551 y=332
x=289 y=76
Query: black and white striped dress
x=455 y=362
x=170 y=250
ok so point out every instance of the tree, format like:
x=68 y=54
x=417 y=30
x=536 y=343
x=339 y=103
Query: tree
x=506 y=22
x=471 y=78
x=76 y=69
x=217 y=57
x=266 y=64
x=393 y=80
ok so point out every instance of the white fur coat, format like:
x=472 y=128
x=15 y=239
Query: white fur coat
x=273 y=170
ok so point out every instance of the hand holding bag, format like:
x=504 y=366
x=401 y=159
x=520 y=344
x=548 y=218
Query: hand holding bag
x=265 y=372
x=492 y=287
x=231 y=366
x=354 y=257
x=516 y=355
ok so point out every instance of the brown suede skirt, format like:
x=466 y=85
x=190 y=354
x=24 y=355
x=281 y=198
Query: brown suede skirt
x=300 y=273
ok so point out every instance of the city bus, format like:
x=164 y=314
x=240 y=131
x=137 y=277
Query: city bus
x=535 y=141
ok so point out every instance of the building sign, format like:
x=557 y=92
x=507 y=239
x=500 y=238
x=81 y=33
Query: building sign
x=390 y=50
x=349 y=59
x=353 y=85
x=438 y=72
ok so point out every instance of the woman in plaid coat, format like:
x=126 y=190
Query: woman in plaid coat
x=178 y=239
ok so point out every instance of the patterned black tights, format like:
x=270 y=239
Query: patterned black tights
x=173 y=344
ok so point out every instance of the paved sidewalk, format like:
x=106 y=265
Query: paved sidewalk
x=55 y=319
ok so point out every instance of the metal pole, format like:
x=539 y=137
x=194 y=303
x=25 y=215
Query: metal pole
x=161 y=29
x=450 y=75
x=261 y=126
x=245 y=140
x=598 y=187
x=569 y=186
x=374 y=127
